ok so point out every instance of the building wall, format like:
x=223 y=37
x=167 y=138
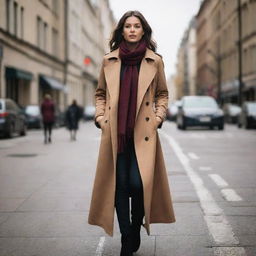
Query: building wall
x=86 y=39
x=53 y=38
x=205 y=74
x=27 y=30
x=192 y=62
x=185 y=78
x=108 y=22
x=218 y=37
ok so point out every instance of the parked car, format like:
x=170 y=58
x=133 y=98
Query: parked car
x=231 y=113
x=89 y=112
x=199 y=111
x=173 y=110
x=33 y=116
x=12 y=119
x=247 y=117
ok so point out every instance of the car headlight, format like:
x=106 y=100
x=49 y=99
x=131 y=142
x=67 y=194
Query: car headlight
x=219 y=113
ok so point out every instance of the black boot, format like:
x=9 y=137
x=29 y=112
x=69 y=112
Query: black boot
x=126 y=249
x=135 y=237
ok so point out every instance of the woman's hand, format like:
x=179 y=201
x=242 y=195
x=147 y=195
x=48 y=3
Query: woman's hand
x=99 y=118
x=158 y=119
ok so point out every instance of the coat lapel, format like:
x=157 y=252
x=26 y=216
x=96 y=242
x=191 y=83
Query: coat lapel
x=112 y=74
x=146 y=75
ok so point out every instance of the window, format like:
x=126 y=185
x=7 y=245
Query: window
x=45 y=36
x=55 y=6
x=22 y=22
x=39 y=31
x=55 y=41
x=15 y=19
x=254 y=57
x=8 y=15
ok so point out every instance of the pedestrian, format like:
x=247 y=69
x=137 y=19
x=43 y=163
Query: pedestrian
x=131 y=103
x=73 y=115
x=48 y=113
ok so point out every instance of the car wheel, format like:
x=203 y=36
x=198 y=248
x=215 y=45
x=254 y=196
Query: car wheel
x=247 y=124
x=24 y=130
x=10 y=133
x=184 y=127
x=221 y=127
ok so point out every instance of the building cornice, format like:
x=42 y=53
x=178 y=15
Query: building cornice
x=20 y=42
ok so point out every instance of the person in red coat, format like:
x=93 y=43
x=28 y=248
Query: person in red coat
x=48 y=113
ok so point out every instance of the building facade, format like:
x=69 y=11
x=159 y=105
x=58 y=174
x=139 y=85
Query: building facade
x=88 y=29
x=32 y=50
x=218 y=52
x=186 y=67
x=206 y=73
x=52 y=46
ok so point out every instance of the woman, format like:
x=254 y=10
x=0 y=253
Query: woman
x=73 y=115
x=48 y=114
x=131 y=103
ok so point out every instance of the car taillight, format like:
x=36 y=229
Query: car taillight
x=4 y=114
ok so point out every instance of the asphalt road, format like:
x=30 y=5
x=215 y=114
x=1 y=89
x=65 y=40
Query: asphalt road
x=45 y=194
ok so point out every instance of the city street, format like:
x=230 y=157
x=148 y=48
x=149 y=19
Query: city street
x=45 y=193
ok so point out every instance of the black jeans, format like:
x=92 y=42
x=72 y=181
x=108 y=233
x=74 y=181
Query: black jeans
x=128 y=184
x=48 y=128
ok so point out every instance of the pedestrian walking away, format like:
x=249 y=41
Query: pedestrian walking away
x=73 y=115
x=48 y=114
x=131 y=103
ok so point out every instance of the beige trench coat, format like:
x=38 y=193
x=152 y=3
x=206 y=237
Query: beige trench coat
x=152 y=101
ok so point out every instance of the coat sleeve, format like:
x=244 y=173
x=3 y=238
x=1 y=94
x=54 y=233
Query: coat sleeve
x=100 y=96
x=161 y=95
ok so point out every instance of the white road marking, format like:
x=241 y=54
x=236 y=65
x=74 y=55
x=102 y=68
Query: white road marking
x=214 y=216
x=205 y=168
x=100 y=246
x=230 y=195
x=232 y=251
x=193 y=156
x=218 y=180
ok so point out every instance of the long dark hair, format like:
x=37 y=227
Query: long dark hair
x=117 y=36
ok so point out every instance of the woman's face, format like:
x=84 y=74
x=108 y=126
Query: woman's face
x=132 y=30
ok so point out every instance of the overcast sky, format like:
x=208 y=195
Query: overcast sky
x=168 y=20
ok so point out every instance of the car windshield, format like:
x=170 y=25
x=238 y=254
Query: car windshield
x=252 y=108
x=32 y=110
x=200 y=102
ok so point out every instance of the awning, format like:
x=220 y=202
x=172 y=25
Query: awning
x=15 y=73
x=51 y=82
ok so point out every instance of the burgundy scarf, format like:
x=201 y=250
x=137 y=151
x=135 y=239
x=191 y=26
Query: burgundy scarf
x=128 y=92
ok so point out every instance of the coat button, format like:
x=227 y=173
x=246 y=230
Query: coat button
x=147 y=119
x=106 y=121
x=147 y=103
x=146 y=138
